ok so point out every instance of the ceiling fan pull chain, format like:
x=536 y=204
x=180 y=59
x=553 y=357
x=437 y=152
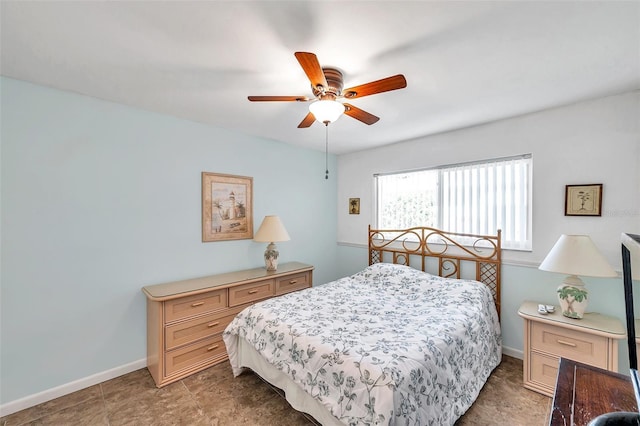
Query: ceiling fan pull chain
x=326 y=150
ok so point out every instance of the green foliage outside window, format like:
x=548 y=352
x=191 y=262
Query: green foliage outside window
x=408 y=210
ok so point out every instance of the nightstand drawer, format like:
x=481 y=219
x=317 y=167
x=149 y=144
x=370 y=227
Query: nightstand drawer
x=576 y=345
x=544 y=370
x=190 y=356
x=252 y=292
x=189 y=331
x=292 y=283
x=194 y=305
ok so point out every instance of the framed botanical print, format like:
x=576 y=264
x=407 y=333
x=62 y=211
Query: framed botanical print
x=227 y=207
x=583 y=200
x=354 y=205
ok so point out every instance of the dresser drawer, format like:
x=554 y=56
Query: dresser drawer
x=292 y=283
x=208 y=350
x=251 y=292
x=544 y=370
x=186 y=332
x=194 y=305
x=572 y=344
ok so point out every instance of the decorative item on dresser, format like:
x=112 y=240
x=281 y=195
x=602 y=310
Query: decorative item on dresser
x=271 y=231
x=185 y=319
x=593 y=340
x=575 y=255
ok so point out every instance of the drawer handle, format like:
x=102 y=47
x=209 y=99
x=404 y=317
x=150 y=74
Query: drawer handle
x=212 y=347
x=563 y=342
x=195 y=305
x=293 y=282
x=213 y=324
x=253 y=291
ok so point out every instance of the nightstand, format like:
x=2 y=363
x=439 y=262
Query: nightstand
x=592 y=340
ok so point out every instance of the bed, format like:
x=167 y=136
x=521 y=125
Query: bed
x=391 y=344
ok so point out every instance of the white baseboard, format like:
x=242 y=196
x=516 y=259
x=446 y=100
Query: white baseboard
x=62 y=390
x=515 y=353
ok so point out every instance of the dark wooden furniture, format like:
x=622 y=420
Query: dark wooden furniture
x=583 y=392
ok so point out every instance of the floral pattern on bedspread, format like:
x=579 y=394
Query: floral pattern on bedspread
x=390 y=345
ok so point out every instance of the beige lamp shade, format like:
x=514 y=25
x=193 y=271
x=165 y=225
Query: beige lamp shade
x=575 y=255
x=271 y=230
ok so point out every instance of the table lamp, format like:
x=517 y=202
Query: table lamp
x=575 y=255
x=271 y=231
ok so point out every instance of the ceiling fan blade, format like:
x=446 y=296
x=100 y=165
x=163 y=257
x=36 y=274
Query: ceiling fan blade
x=311 y=66
x=278 y=98
x=386 y=84
x=307 y=121
x=360 y=114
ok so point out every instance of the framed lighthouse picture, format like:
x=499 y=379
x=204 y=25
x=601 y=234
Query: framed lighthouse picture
x=227 y=207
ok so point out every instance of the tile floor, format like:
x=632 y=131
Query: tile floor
x=215 y=397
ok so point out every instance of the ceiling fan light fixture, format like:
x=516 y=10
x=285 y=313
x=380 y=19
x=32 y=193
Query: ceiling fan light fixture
x=327 y=110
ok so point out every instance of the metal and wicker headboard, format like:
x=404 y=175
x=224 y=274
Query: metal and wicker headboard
x=451 y=251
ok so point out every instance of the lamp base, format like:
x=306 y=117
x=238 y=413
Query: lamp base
x=572 y=296
x=271 y=257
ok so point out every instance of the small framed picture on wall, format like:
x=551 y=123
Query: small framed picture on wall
x=354 y=205
x=583 y=200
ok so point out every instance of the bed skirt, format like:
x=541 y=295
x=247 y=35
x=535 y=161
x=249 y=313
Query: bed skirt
x=248 y=357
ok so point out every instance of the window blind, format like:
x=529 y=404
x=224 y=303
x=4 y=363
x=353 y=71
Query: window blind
x=473 y=198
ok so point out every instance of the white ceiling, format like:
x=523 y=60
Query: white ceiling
x=466 y=62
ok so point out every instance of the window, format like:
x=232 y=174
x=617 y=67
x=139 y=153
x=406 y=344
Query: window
x=472 y=198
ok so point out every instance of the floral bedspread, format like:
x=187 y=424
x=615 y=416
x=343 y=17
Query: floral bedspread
x=390 y=345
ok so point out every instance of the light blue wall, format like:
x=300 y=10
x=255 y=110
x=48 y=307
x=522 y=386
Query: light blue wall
x=99 y=200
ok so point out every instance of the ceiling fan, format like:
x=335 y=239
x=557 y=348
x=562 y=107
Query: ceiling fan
x=327 y=87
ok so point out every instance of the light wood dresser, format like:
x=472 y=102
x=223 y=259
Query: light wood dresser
x=592 y=340
x=185 y=319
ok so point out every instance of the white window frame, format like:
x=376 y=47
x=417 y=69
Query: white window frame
x=482 y=188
